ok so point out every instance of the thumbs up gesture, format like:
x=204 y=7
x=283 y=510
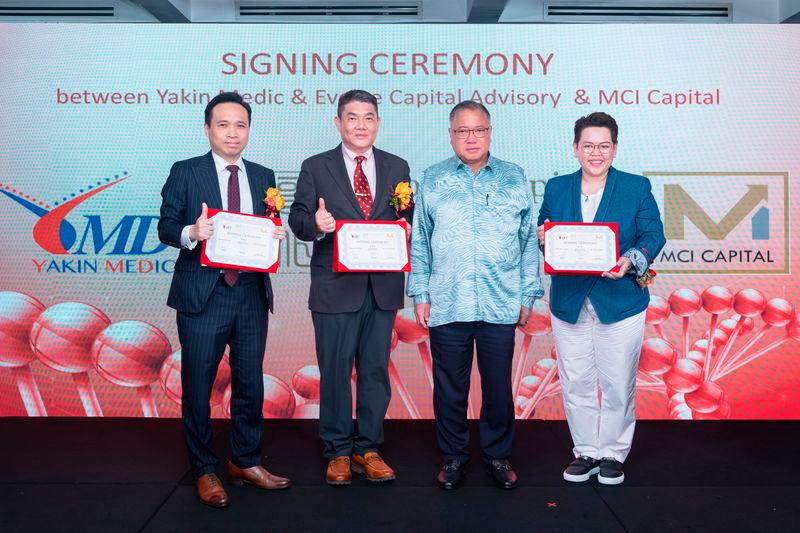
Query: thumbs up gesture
x=203 y=228
x=323 y=219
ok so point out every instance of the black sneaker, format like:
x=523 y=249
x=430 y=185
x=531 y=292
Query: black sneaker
x=610 y=472
x=581 y=469
x=451 y=474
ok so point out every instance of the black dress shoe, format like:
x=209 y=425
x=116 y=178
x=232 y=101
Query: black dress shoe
x=451 y=474
x=503 y=475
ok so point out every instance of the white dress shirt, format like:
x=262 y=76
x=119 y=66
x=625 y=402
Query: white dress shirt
x=245 y=198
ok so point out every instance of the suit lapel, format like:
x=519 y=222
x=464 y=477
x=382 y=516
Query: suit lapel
x=209 y=182
x=256 y=194
x=382 y=184
x=608 y=193
x=575 y=197
x=335 y=164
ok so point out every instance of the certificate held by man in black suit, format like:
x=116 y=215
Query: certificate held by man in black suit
x=353 y=312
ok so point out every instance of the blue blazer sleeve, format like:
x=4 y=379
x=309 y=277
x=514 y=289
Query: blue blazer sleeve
x=649 y=228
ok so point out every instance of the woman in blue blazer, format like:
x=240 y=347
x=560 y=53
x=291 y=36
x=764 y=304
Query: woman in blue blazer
x=598 y=321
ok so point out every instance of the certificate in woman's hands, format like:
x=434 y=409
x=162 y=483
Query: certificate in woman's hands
x=241 y=242
x=586 y=248
x=371 y=246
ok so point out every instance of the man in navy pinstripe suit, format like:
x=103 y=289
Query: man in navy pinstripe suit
x=217 y=307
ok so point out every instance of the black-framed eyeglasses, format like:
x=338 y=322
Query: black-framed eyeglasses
x=479 y=132
x=604 y=148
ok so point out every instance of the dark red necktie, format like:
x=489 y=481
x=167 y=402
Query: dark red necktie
x=233 y=206
x=361 y=187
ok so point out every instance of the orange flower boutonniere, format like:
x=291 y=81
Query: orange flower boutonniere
x=274 y=201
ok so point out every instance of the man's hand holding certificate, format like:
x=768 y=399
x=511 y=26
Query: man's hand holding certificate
x=580 y=248
x=373 y=246
x=243 y=242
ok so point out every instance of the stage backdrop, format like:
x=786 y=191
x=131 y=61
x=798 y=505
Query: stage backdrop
x=93 y=116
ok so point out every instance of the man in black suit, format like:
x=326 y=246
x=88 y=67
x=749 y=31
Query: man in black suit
x=219 y=307
x=353 y=313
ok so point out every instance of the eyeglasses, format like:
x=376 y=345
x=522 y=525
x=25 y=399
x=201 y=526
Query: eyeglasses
x=604 y=148
x=479 y=132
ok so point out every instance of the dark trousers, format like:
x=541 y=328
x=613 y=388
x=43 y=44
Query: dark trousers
x=363 y=336
x=236 y=316
x=452 y=348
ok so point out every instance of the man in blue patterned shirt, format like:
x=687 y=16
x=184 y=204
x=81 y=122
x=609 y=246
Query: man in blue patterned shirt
x=474 y=277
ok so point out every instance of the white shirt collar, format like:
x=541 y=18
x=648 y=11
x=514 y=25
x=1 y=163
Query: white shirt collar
x=349 y=154
x=221 y=164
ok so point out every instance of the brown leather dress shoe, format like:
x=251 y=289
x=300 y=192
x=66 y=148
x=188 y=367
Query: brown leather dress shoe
x=211 y=492
x=257 y=476
x=338 y=472
x=373 y=467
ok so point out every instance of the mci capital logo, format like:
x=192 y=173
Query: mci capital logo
x=723 y=222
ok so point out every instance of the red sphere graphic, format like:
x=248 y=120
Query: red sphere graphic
x=717 y=300
x=307 y=410
x=657 y=356
x=528 y=386
x=170 y=379
x=706 y=398
x=306 y=382
x=697 y=356
x=685 y=376
x=778 y=312
x=722 y=412
x=18 y=312
x=749 y=302
x=658 y=310
x=130 y=353
x=538 y=321
x=793 y=329
x=720 y=337
x=542 y=367
x=685 y=302
x=63 y=335
x=408 y=331
x=279 y=399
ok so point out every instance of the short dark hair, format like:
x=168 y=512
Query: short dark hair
x=596 y=120
x=356 y=95
x=472 y=105
x=223 y=98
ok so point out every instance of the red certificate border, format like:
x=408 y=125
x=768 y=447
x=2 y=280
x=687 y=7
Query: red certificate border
x=339 y=267
x=548 y=269
x=205 y=261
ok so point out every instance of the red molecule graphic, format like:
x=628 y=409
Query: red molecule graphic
x=685 y=376
x=130 y=354
x=749 y=302
x=685 y=302
x=657 y=356
x=706 y=398
x=18 y=312
x=62 y=338
x=305 y=382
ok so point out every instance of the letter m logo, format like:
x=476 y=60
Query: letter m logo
x=679 y=206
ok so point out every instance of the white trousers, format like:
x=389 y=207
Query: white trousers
x=591 y=353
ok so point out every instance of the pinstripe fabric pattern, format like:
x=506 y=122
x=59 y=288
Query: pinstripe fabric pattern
x=236 y=316
x=474 y=254
x=212 y=315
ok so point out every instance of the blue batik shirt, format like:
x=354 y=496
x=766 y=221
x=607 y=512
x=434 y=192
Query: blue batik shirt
x=474 y=250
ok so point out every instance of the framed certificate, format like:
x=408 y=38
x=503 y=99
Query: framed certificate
x=580 y=248
x=371 y=246
x=241 y=242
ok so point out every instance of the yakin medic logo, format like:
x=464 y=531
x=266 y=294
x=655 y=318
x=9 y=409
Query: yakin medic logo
x=117 y=247
x=723 y=222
